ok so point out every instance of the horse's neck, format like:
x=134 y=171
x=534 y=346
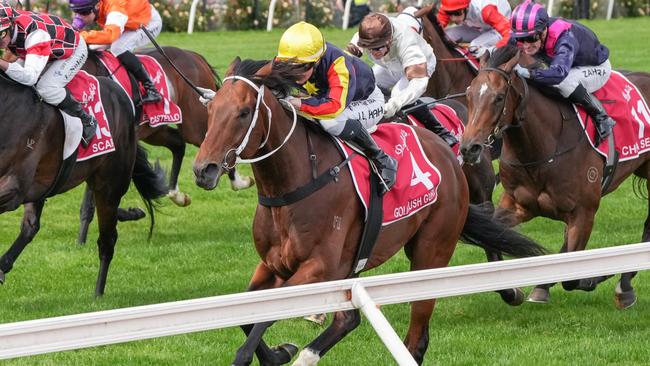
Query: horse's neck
x=546 y=124
x=289 y=167
x=452 y=74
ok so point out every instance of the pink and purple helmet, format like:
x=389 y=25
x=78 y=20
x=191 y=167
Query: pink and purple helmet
x=7 y=14
x=527 y=19
x=78 y=6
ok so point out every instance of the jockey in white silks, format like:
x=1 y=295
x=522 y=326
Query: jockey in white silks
x=403 y=63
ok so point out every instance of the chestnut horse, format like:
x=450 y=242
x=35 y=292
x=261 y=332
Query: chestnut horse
x=298 y=243
x=31 y=150
x=548 y=168
x=197 y=69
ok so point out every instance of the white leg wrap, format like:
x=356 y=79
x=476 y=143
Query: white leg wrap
x=306 y=358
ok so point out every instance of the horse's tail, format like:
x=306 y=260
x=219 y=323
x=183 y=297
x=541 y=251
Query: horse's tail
x=149 y=181
x=483 y=230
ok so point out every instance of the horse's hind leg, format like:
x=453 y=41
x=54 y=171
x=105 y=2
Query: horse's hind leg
x=107 y=219
x=172 y=139
x=86 y=213
x=29 y=227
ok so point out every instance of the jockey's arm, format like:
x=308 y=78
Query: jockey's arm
x=418 y=80
x=115 y=23
x=498 y=21
x=565 y=50
x=353 y=46
x=337 y=96
x=37 y=45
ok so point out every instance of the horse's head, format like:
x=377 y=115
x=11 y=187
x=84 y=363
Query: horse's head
x=492 y=102
x=239 y=121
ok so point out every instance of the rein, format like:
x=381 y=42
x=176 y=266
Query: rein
x=242 y=146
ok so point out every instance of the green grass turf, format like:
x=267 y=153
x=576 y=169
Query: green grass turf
x=206 y=250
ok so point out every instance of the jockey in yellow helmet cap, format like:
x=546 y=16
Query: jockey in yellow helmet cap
x=341 y=90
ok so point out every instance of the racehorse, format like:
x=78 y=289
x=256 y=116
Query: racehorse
x=315 y=239
x=191 y=131
x=31 y=150
x=548 y=168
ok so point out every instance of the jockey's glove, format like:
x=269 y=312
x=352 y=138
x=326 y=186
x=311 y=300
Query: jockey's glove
x=400 y=98
x=391 y=107
x=295 y=102
x=522 y=71
x=208 y=95
x=353 y=49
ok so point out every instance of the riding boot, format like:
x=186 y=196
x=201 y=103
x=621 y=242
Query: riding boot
x=72 y=107
x=430 y=121
x=135 y=67
x=355 y=133
x=604 y=123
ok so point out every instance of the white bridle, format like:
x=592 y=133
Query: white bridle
x=242 y=146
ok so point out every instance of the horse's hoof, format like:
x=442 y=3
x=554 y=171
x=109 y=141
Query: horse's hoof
x=539 y=296
x=2 y=277
x=316 y=318
x=625 y=299
x=241 y=183
x=179 y=198
x=513 y=296
x=130 y=214
x=307 y=358
x=284 y=352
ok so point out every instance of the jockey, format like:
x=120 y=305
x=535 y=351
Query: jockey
x=341 y=91
x=404 y=62
x=578 y=64
x=481 y=23
x=121 y=21
x=50 y=53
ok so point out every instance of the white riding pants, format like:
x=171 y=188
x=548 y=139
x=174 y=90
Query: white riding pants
x=368 y=111
x=591 y=77
x=51 y=86
x=478 y=41
x=130 y=40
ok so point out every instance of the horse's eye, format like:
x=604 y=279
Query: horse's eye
x=244 y=113
x=499 y=98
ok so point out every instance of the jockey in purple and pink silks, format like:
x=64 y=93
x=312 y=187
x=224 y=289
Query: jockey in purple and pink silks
x=50 y=53
x=578 y=64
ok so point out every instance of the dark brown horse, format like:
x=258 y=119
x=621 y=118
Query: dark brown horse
x=31 y=149
x=191 y=131
x=298 y=243
x=548 y=168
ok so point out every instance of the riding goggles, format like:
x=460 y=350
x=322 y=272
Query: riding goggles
x=84 y=12
x=455 y=13
x=529 y=39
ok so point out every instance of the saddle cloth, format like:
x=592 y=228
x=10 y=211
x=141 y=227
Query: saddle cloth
x=449 y=119
x=164 y=112
x=624 y=103
x=417 y=178
x=85 y=88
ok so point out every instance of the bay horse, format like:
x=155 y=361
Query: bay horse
x=31 y=150
x=197 y=69
x=315 y=239
x=547 y=166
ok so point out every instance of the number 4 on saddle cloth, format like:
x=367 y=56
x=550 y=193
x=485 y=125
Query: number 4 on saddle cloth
x=624 y=103
x=164 y=112
x=417 y=180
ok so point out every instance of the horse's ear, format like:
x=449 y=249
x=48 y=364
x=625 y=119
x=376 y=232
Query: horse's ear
x=483 y=61
x=508 y=66
x=233 y=65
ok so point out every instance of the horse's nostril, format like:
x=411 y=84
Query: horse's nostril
x=475 y=149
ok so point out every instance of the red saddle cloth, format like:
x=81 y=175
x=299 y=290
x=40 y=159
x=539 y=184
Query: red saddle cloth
x=85 y=88
x=417 y=178
x=449 y=119
x=624 y=103
x=164 y=112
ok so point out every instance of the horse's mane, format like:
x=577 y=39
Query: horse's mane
x=281 y=80
x=502 y=55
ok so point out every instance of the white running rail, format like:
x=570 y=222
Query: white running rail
x=150 y=321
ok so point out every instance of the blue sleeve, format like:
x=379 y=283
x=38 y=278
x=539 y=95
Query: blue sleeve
x=565 y=52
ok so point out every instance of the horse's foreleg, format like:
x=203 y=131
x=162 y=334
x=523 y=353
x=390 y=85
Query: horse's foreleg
x=86 y=213
x=29 y=227
x=262 y=279
x=237 y=182
x=343 y=323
